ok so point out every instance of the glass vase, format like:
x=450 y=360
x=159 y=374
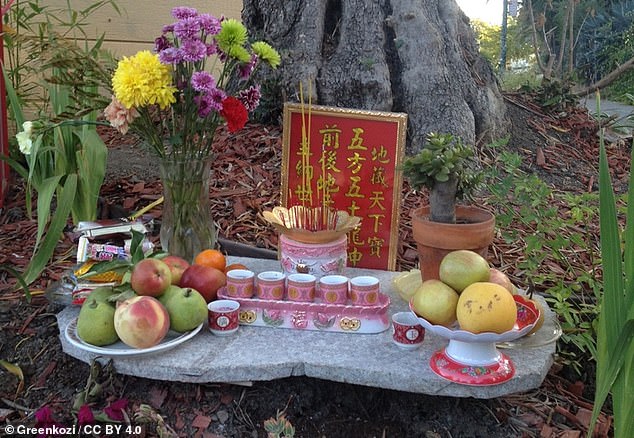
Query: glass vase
x=187 y=226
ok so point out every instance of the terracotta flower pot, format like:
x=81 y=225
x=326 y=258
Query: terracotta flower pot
x=474 y=230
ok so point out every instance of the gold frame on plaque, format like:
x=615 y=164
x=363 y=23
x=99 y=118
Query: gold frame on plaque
x=375 y=138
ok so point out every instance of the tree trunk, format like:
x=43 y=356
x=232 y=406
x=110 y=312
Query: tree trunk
x=412 y=56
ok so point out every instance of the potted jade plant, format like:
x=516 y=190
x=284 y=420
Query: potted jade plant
x=447 y=168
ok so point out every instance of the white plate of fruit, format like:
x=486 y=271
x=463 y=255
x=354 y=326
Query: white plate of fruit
x=147 y=315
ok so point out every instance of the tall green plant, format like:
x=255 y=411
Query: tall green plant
x=62 y=159
x=615 y=329
x=65 y=161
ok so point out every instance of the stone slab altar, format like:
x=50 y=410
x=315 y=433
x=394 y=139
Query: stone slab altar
x=263 y=353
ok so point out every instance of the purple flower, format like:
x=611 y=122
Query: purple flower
x=209 y=23
x=85 y=415
x=161 y=43
x=222 y=56
x=217 y=96
x=171 y=55
x=204 y=105
x=114 y=410
x=193 y=50
x=212 y=48
x=245 y=70
x=187 y=29
x=250 y=97
x=209 y=102
x=203 y=81
x=183 y=12
x=168 y=28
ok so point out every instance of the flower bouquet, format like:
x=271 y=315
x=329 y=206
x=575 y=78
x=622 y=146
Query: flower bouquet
x=198 y=78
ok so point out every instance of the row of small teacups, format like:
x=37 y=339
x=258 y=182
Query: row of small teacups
x=330 y=289
x=407 y=332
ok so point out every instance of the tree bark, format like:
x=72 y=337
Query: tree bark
x=442 y=201
x=412 y=56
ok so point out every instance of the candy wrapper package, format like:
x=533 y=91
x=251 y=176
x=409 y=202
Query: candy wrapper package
x=98 y=241
x=108 y=240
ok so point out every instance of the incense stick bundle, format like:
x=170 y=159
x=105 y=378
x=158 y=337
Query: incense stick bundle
x=311 y=224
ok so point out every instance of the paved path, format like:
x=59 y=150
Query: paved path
x=624 y=113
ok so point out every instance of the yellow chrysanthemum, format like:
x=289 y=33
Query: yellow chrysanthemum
x=142 y=80
x=232 y=35
x=266 y=53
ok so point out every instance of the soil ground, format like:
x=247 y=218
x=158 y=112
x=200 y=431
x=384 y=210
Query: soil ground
x=560 y=148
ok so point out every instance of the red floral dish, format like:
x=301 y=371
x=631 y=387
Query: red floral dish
x=527 y=316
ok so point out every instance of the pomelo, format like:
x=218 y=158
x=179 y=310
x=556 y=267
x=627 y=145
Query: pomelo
x=486 y=307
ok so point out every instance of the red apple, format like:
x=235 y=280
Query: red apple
x=177 y=266
x=150 y=277
x=206 y=280
x=141 y=321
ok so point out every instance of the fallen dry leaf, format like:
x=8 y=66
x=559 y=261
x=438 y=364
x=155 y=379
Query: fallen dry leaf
x=540 y=159
x=157 y=396
x=201 y=421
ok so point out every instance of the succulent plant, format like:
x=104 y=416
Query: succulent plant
x=446 y=166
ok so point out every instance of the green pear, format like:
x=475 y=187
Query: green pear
x=436 y=302
x=169 y=293
x=458 y=269
x=95 y=324
x=101 y=294
x=186 y=307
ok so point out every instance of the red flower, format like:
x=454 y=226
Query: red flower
x=114 y=410
x=85 y=416
x=234 y=113
x=44 y=416
x=44 y=419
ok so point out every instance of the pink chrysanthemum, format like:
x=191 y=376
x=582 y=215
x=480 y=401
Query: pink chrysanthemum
x=119 y=116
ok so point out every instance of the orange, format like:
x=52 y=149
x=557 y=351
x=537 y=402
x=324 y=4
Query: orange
x=235 y=266
x=211 y=258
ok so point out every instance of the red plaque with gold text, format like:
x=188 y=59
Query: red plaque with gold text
x=350 y=161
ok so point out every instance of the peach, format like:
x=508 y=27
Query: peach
x=141 y=321
x=499 y=277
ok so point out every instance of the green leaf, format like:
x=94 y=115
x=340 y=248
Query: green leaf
x=16 y=274
x=55 y=229
x=136 y=247
x=91 y=169
x=617 y=378
x=19 y=168
x=615 y=327
x=119 y=266
x=14 y=101
x=13 y=369
x=44 y=199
